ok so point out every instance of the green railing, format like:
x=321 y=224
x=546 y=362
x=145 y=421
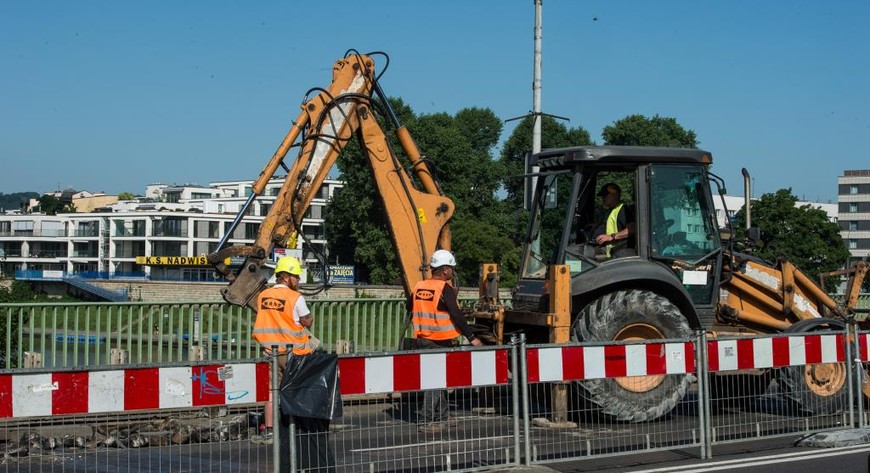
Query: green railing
x=91 y=334
x=69 y=335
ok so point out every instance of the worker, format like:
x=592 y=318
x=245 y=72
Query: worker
x=438 y=322
x=283 y=320
x=618 y=229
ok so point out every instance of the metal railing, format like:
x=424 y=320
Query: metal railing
x=86 y=334
x=507 y=405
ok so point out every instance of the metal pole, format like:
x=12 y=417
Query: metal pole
x=235 y=222
x=276 y=414
x=536 y=100
x=524 y=385
x=515 y=394
x=850 y=375
x=859 y=371
x=704 y=403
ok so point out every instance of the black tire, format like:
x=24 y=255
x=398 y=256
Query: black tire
x=605 y=319
x=820 y=389
x=739 y=391
x=795 y=385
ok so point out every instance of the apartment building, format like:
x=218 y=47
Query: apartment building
x=853 y=198
x=171 y=221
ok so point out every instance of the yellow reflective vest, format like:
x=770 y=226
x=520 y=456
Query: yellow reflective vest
x=612 y=224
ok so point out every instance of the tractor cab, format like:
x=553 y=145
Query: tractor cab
x=623 y=216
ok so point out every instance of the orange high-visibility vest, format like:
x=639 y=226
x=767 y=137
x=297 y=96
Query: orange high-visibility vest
x=275 y=324
x=429 y=322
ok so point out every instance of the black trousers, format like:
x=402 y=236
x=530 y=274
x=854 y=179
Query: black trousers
x=312 y=445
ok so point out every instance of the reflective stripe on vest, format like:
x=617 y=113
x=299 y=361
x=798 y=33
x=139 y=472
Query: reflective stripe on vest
x=612 y=224
x=275 y=325
x=429 y=322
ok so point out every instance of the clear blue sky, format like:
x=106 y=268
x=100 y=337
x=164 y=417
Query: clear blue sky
x=110 y=96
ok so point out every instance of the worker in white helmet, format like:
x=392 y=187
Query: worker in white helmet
x=438 y=322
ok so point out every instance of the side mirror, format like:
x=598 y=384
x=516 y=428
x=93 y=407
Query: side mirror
x=725 y=233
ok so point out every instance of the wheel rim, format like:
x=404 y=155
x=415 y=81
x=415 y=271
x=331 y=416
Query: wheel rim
x=634 y=332
x=825 y=379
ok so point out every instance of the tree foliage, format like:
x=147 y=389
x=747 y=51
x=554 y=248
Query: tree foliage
x=803 y=235
x=126 y=196
x=51 y=205
x=554 y=134
x=638 y=130
x=18 y=291
x=16 y=200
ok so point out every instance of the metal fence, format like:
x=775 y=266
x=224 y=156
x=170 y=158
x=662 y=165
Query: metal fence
x=506 y=405
x=97 y=334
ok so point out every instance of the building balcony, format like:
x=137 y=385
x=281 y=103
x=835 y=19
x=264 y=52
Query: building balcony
x=127 y=233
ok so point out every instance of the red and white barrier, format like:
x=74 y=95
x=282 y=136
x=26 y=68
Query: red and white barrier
x=775 y=352
x=421 y=371
x=569 y=363
x=87 y=392
x=864 y=346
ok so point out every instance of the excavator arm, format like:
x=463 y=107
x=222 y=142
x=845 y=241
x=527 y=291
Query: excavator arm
x=417 y=218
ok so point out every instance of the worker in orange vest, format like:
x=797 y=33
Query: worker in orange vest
x=283 y=320
x=438 y=322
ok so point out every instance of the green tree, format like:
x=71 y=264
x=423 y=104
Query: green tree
x=803 y=235
x=15 y=200
x=126 y=196
x=51 y=205
x=638 y=130
x=10 y=321
x=554 y=134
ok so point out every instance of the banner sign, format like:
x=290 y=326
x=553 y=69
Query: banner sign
x=172 y=260
x=341 y=274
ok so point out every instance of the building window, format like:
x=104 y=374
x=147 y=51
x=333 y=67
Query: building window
x=853 y=226
x=853 y=189
x=853 y=244
x=853 y=207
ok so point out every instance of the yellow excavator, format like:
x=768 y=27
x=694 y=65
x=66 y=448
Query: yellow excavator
x=676 y=275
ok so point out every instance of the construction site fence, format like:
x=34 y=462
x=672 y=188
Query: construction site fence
x=506 y=405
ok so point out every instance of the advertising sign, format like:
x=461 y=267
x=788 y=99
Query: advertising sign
x=341 y=274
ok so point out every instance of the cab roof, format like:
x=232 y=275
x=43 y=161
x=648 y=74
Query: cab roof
x=579 y=155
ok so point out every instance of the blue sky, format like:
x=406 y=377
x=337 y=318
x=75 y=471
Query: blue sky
x=110 y=96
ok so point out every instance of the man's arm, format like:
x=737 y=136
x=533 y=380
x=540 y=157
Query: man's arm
x=451 y=303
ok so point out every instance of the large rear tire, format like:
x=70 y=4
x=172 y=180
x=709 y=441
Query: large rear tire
x=633 y=315
x=819 y=389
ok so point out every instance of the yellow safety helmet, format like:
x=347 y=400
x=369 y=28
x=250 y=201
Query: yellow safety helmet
x=288 y=264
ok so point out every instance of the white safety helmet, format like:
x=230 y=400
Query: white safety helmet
x=442 y=258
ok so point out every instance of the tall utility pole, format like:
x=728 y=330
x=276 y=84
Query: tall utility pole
x=536 y=94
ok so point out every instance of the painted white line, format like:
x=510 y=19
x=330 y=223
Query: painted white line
x=758 y=461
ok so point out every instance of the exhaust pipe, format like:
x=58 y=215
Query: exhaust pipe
x=747 y=193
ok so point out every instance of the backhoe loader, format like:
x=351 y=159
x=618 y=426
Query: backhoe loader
x=675 y=276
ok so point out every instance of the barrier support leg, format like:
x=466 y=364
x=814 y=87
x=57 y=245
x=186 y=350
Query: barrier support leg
x=524 y=388
x=276 y=415
x=704 y=401
x=515 y=397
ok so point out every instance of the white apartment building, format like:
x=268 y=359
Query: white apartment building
x=853 y=197
x=184 y=220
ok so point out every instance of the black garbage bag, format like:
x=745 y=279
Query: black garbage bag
x=310 y=387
